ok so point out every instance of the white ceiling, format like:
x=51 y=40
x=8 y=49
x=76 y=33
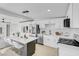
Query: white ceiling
x=37 y=10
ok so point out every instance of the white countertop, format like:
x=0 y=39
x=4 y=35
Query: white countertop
x=69 y=37
x=22 y=40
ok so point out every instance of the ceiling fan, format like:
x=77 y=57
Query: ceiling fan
x=3 y=21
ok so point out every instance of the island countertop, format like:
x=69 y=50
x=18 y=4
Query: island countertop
x=22 y=40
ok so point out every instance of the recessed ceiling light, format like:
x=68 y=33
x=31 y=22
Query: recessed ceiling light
x=48 y=10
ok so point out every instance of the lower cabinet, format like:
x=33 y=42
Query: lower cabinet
x=40 y=39
x=30 y=48
x=50 y=41
x=68 y=50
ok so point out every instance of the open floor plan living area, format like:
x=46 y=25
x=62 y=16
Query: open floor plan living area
x=39 y=29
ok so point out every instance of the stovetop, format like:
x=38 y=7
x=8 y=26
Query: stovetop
x=72 y=42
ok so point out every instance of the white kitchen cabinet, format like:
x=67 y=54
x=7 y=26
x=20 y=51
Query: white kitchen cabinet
x=68 y=50
x=50 y=41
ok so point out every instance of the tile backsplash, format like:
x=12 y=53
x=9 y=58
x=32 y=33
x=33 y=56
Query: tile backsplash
x=68 y=32
x=76 y=36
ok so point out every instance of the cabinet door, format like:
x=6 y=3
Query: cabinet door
x=46 y=42
x=31 y=48
x=53 y=42
x=50 y=41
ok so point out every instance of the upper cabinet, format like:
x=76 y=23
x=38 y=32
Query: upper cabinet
x=73 y=14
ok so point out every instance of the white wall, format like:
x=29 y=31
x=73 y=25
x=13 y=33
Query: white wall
x=56 y=23
x=14 y=28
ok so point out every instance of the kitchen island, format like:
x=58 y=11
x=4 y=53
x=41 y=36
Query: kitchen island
x=26 y=47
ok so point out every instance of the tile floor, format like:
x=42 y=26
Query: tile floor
x=42 y=50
